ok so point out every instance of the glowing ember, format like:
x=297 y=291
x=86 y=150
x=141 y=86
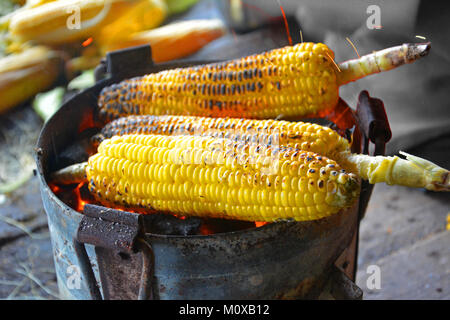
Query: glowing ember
x=336 y=65
x=87 y=42
x=354 y=48
x=77 y=196
x=285 y=23
x=260 y=223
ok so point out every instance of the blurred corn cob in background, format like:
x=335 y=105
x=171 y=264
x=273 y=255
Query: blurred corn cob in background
x=175 y=40
x=56 y=22
x=104 y=25
x=412 y=172
x=25 y=74
x=145 y=15
x=293 y=81
x=5 y=19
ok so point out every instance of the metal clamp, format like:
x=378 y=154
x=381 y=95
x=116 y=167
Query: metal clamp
x=374 y=127
x=373 y=122
x=113 y=233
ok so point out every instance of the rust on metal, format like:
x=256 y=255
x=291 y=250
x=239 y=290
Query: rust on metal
x=109 y=228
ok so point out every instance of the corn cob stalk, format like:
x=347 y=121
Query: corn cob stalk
x=299 y=135
x=49 y=23
x=204 y=176
x=379 y=61
x=173 y=41
x=412 y=172
x=293 y=81
x=26 y=74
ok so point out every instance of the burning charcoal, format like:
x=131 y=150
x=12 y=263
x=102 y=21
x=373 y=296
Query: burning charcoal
x=79 y=151
x=171 y=225
x=211 y=226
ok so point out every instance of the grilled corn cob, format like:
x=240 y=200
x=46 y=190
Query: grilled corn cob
x=209 y=177
x=26 y=74
x=413 y=172
x=299 y=135
x=175 y=40
x=206 y=176
x=56 y=22
x=291 y=81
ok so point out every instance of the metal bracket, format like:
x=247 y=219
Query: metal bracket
x=340 y=287
x=374 y=127
x=125 y=63
x=113 y=233
x=373 y=122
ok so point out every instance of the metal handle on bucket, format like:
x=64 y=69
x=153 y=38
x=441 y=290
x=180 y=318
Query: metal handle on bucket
x=120 y=232
x=374 y=128
x=373 y=122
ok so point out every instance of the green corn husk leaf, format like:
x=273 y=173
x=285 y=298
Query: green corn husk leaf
x=85 y=80
x=178 y=6
x=47 y=103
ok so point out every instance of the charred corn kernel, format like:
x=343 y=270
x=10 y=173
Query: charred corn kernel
x=292 y=81
x=173 y=41
x=58 y=22
x=299 y=135
x=177 y=183
x=26 y=74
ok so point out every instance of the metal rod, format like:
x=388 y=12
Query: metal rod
x=148 y=263
x=86 y=270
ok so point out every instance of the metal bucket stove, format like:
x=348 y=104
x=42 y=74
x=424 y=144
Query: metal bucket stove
x=120 y=256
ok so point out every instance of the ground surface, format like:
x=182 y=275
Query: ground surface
x=403 y=232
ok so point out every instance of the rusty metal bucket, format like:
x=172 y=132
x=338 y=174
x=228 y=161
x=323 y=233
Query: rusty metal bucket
x=118 y=259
